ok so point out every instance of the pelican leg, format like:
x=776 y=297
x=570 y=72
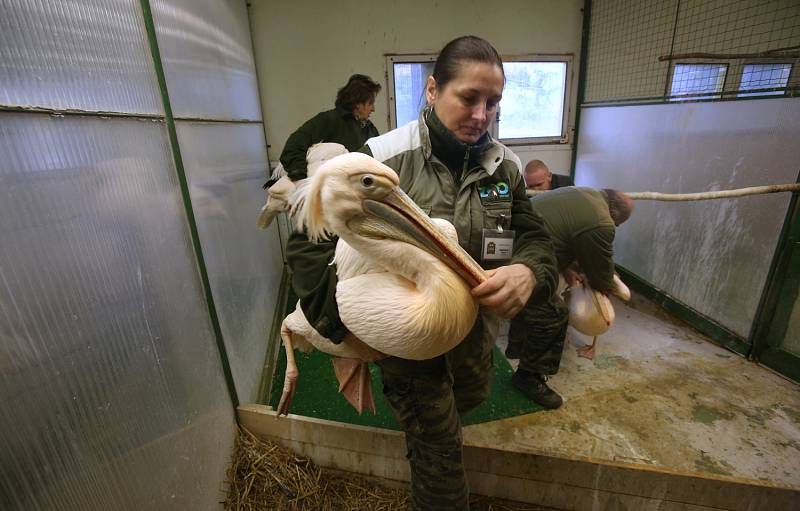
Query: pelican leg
x=290 y=378
x=355 y=383
x=587 y=351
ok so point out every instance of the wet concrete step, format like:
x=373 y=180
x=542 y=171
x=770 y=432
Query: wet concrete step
x=570 y=483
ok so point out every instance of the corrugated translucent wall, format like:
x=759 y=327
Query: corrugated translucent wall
x=112 y=382
x=208 y=63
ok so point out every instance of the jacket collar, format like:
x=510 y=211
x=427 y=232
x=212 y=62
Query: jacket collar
x=490 y=152
x=342 y=112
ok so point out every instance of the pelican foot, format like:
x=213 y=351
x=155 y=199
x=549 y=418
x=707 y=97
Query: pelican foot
x=355 y=383
x=587 y=351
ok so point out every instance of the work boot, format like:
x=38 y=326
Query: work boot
x=514 y=349
x=536 y=390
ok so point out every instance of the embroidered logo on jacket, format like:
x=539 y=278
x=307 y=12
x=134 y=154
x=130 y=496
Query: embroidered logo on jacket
x=494 y=191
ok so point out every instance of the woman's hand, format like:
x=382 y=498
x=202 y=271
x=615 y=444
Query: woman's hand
x=507 y=290
x=365 y=351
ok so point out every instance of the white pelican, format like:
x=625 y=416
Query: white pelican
x=591 y=312
x=404 y=286
x=280 y=192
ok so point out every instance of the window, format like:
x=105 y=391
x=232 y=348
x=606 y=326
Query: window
x=694 y=79
x=533 y=109
x=533 y=101
x=764 y=76
x=409 y=90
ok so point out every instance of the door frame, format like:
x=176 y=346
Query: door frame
x=778 y=300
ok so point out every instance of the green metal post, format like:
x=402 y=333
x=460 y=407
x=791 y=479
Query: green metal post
x=187 y=203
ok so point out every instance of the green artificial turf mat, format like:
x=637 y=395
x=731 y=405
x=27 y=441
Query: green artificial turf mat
x=317 y=395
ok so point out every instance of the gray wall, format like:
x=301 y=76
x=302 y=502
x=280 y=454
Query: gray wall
x=711 y=255
x=113 y=390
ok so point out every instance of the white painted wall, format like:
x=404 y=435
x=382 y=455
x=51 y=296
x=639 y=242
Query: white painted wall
x=306 y=50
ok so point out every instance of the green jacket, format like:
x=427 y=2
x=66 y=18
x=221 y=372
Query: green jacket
x=491 y=192
x=337 y=125
x=582 y=231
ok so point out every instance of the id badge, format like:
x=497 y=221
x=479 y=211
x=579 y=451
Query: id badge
x=498 y=245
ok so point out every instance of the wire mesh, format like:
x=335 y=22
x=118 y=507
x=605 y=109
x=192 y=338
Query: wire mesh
x=692 y=50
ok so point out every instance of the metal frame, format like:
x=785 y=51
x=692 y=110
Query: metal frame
x=701 y=95
x=585 y=32
x=187 y=203
x=778 y=299
x=391 y=60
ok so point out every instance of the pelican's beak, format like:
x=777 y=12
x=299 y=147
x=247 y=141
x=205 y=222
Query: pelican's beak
x=396 y=216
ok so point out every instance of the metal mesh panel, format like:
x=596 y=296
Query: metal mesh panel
x=692 y=49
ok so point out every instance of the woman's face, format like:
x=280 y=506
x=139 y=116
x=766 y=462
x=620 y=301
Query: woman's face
x=467 y=104
x=363 y=110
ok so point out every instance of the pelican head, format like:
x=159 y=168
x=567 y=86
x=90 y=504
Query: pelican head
x=358 y=198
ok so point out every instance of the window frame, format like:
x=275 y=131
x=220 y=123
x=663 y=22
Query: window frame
x=764 y=91
x=732 y=84
x=699 y=96
x=421 y=58
x=391 y=60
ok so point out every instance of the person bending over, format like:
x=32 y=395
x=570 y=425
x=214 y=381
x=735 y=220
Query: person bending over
x=582 y=223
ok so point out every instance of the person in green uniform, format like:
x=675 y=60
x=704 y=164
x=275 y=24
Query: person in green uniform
x=582 y=223
x=453 y=169
x=347 y=124
x=539 y=177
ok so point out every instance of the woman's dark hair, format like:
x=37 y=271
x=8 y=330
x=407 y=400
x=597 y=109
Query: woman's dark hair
x=359 y=89
x=468 y=47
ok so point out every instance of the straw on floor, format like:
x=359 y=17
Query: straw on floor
x=266 y=476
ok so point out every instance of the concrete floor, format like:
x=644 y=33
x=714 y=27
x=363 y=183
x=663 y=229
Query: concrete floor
x=660 y=394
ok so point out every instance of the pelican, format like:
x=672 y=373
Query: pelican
x=280 y=192
x=591 y=312
x=403 y=285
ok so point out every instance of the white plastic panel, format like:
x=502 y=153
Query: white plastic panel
x=226 y=165
x=76 y=54
x=208 y=58
x=111 y=383
x=711 y=255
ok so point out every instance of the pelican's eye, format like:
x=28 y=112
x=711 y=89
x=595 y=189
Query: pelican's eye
x=367 y=181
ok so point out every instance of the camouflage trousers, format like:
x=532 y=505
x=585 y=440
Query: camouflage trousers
x=540 y=328
x=428 y=398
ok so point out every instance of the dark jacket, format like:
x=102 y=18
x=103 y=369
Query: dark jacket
x=582 y=231
x=560 y=181
x=337 y=125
